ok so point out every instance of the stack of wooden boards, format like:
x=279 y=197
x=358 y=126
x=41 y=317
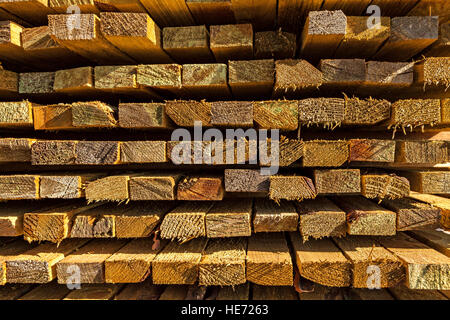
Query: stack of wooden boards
x=93 y=193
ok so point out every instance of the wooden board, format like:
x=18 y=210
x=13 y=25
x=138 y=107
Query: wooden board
x=295 y=76
x=163 y=77
x=366 y=112
x=87 y=41
x=223 y=263
x=251 y=78
x=64 y=186
x=169 y=12
x=97 y=152
x=145 y=290
x=389 y=74
x=245 y=180
x=261 y=15
x=48 y=291
x=276 y=45
x=441 y=48
x=426 y=151
x=206 y=81
x=38 y=265
x=185 y=113
x=229 y=218
x=185 y=222
x=321 y=261
x=135 y=34
x=322 y=34
x=187 y=44
x=409 y=36
x=87 y=262
x=143 y=152
x=10 y=83
x=15 y=149
x=364 y=217
x=433 y=72
x=443 y=204
x=139 y=220
x=94 y=292
x=383 y=186
x=19 y=187
x=360 y=41
x=330 y=181
x=132 y=263
x=322 y=153
x=53 y=152
x=240 y=292
x=143 y=116
x=372 y=265
x=274 y=114
x=10 y=251
x=112 y=188
x=412 y=214
x=343 y=73
x=269 y=261
x=53 y=223
x=94 y=223
x=34 y=12
x=232 y=113
x=11 y=218
x=320 y=218
x=178 y=264
x=433 y=182
x=154 y=186
x=401 y=292
x=272 y=217
x=204 y=188
x=425 y=268
x=210 y=12
x=16 y=114
x=231 y=42
x=436 y=239
x=372 y=150
x=291 y=188
x=273 y=293
x=326 y=112
x=76 y=81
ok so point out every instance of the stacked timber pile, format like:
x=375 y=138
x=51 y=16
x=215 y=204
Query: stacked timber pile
x=224 y=150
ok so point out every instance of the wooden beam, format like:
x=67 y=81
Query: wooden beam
x=210 y=12
x=231 y=42
x=19 y=187
x=162 y=77
x=93 y=115
x=441 y=48
x=272 y=217
x=321 y=261
x=52 y=117
x=364 y=217
x=412 y=214
x=112 y=188
x=11 y=218
x=365 y=254
x=229 y=218
x=89 y=260
x=445 y=111
x=443 y=204
x=187 y=44
x=400 y=9
x=291 y=188
x=223 y=263
x=53 y=152
x=34 y=12
x=185 y=113
x=322 y=153
x=276 y=45
x=366 y=112
x=409 y=36
x=16 y=114
x=320 y=218
x=292 y=14
x=75 y=81
x=269 y=261
x=295 y=76
x=414 y=113
x=145 y=290
x=94 y=292
x=143 y=152
x=261 y=15
x=232 y=113
x=204 y=188
x=154 y=186
x=206 y=81
x=322 y=34
x=427 y=151
x=185 y=222
x=97 y=152
x=48 y=291
x=36 y=84
x=426 y=268
x=289 y=151
x=94 y=223
x=52 y=223
x=251 y=78
x=432 y=73
x=38 y=265
x=431 y=7
x=11 y=49
x=404 y=293
x=281 y=114
x=15 y=149
x=87 y=41
x=437 y=240
x=9 y=86
x=178 y=263
x=361 y=41
x=135 y=34
x=139 y=220
x=10 y=251
x=132 y=262
x=384 y=186
x=245 y=180
x=393 y=74
x=372 y=150
x=433 y=182
x=327 y=112
x=143 y=116
x=343 y=73
x=64 y=186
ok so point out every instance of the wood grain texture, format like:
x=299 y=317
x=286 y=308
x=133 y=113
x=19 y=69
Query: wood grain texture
x=326 y=112
x=433 y=182
x=383 y=186
x=372 y=150
x=274 y=45
x=426 y=151
x=443 y=204
x=206 y=81
x=19 y=187
x=251 y=78
x=435 y=239
x=143 y=116
x=203 y=188
x=272 y=217
x=231 y=42
x=366 y=112
x=143 y=152
x=15 y=149
x=229 y=218
x=64 y=186
x=245 y=180
x=53 y=152
x=269 y=262
x=232 y=113
x=16 y=114
x=291 y=188
x=273 y=114
x=322 y=153
x=154 y=186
